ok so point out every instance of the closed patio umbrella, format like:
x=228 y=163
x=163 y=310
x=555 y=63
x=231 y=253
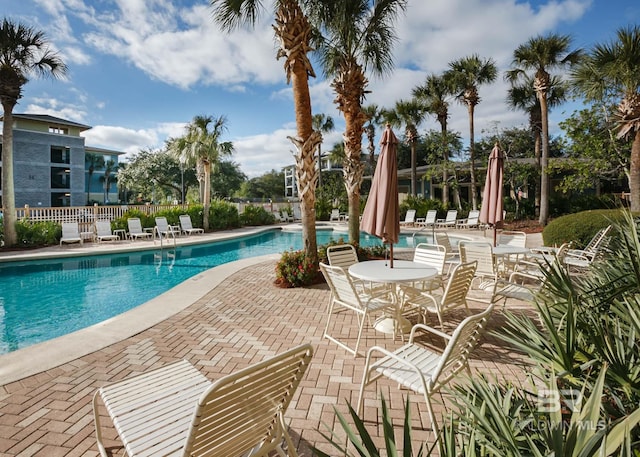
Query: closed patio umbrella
x=381 y=216
x=491 y=210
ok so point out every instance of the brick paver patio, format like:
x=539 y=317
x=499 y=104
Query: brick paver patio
x=243 y=320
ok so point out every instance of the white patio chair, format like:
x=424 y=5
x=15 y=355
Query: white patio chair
x=579 y=263
x=335 y=215
x=104 y=233
x=429 y=220
x=449 y=220
x=471 y=221
x=454 y=294
x=421 y=369
x=453 y=257
x=487 y=271
x=187 y=227
x=70 y=233
x=592 y=248
x=431 y=255
x=409 y=218
x=135 y=229
x=163 y=229
x=344 y=294
x=175 y=410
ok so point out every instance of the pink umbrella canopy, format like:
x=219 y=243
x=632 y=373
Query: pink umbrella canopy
x=381 y=216
x=491 y=210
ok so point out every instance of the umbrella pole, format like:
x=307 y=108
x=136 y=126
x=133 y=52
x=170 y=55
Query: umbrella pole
x=495 y=236
x=391 y=255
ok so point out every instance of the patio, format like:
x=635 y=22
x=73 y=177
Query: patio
x=242 y=320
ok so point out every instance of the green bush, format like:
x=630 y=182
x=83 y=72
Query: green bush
x=421 y=205
x=223 y=215
x=562 y=205
x=579 y=227
x=46 y=233
x=256 y=215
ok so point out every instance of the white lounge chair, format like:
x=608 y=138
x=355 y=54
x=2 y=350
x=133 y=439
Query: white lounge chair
x=471 y=221
x=135 y=229
x=409 y=218
x=187 y=227
x=345 y=295
x=176 y=410
x=449 y=220
x=421 y=369
x=335 y=215
x=70 y=233
x=163 y=229
x=429 y=220
x=103 y=232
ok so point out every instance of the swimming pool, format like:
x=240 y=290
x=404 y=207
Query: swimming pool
x=44 y=299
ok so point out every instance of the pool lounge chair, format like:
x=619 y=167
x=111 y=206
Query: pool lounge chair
x=103 y=232
x=135 y=229
x=449 y=220
x=409 y=218
x=471 y=221
x=163 y=229
x=187 y=227
x=176 y=410
x=70 y=233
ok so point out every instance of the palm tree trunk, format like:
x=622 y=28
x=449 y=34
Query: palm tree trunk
x=634 y=169
x=414 y=174
x=544 y=161
x=537 y=144
x=206 y=197
x=445 y=165
x=472 y=159
x=8 y=191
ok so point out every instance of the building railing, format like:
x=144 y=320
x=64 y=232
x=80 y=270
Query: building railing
x=86 y=213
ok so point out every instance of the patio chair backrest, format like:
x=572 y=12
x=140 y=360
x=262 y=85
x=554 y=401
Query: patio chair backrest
x=162 y=224
x=482 y=253
x=335 y=215
x=134 y=224
x=245 y=409
x=597 y=239
x=410 y=217
x=70 y=230
x=458 y=285
x=513 y=238
x=473 y=217
x=452 y=216
x=103 y=228
x=341 y=285
x=442 y=239
x=342 y=255
x=432 y=255
x=431 y=217
x=185 y=222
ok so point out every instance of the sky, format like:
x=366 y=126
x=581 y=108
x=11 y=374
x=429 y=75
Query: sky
x=140 y=70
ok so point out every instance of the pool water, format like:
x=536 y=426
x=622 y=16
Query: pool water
x=41 y=300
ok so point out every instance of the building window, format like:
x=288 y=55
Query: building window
x=58 y=130
x=60 y=154
x=60 y=178
x=60 y=199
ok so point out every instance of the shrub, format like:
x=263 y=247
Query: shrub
x=421 y=205
x=579 y=227
x=223 y=215
x=295 y=269
x=45 y=233
x=256 y=215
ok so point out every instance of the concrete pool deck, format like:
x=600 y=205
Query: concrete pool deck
x=222 y=320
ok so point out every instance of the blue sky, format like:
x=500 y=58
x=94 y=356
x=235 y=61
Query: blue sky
x=140 y=69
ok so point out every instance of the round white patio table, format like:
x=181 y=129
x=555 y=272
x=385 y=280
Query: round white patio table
x=512 y=255
x=403 y=271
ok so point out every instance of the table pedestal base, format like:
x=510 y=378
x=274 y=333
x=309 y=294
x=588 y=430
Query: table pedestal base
x=386 y=324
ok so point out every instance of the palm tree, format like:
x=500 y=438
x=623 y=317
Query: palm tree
x=435 y=94
x=324 y=124
x=109 y=168
x=522 y=96
x=201 y=146
x=543 y=54
x=293 y=32
x=23 y=52
x=467 y=74
x=613 y=71
x=411 y=114
x=374 y=117
x=95 y=162
x=357 y=36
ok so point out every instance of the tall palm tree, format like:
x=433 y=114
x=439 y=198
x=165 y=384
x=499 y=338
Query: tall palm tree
x=356 y=36
x=201 y=146
x=23 y=52
x=522 y=96
x=410 y=114
x=435 y=94
x=374 y=118
x=322 y=123
x=109 y=168
x=612 y=70
x=543 y=54
x=95 y=162
x=293 y=31
x=467 y=74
